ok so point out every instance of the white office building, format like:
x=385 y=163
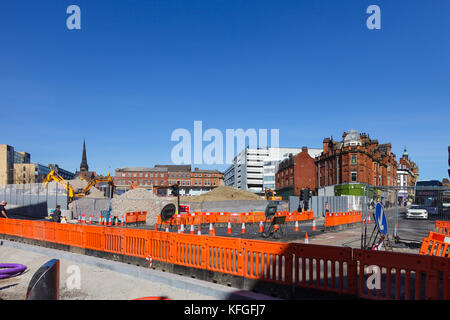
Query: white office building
x=254 y=169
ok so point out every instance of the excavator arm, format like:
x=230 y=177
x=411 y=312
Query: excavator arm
x=53 y=176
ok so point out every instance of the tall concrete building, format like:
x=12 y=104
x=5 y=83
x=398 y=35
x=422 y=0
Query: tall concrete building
x=8 y=158
x=255 y=169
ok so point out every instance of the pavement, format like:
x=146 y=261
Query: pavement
x=102 y=279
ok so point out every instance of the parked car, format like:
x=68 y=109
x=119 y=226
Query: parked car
x=416 y=212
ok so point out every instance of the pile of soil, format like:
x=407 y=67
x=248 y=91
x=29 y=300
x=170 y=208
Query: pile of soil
x=224 y=193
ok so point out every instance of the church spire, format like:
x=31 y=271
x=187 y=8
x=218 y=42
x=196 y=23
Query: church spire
x=84 y=166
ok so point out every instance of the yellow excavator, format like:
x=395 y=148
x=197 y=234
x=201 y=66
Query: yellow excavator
x=269 y=194
x=98 y=179
x=53 y=176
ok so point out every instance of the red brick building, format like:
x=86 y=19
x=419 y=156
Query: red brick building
x=296 y=173
x=161 y=177
x=356 y=159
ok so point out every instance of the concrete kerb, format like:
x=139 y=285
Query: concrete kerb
x=217 y=291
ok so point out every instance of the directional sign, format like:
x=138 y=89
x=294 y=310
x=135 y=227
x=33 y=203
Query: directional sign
x=380 y=218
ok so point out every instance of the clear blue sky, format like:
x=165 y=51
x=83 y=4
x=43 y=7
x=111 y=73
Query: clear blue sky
x=137 y=70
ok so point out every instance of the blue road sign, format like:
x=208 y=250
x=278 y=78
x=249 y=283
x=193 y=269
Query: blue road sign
x=380 y=218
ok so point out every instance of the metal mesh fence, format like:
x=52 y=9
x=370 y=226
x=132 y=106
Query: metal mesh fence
x=34 y=193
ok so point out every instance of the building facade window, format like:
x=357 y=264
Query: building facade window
x=354 y=159
x=354 y=176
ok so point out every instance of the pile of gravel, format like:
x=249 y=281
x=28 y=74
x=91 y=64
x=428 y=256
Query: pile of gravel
x=139 y=200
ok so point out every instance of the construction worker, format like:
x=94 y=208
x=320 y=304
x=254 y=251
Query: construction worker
x=3 y=210
x=56 y=217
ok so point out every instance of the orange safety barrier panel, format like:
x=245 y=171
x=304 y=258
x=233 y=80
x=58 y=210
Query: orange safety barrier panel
x=49 y=231
x=222 y=217
x=62 y=234
x=259 y=216
x=76 y=235
x=135 y=242
x=130 y=217
x=141 y=216
x=263 y=260
x=402 y=272
x=27 y=229
x=38 y=230
x=436 y=244
x=235 y=218
x=443 y=227
x=224 y=255
x=324 y=267
x=159 y=245
x=113 y=240
x=93 y=237
x=188 y=250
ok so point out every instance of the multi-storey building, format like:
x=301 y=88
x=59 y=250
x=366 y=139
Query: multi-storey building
x=296 y=173
x=356 y=159
x=254 y=169
x=407 y=176
x=161 y=177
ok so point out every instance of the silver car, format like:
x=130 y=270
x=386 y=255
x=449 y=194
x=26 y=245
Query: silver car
x=415 y=212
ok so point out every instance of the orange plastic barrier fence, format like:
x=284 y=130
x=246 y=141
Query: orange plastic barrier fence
x=326 y=268
x=436 y=244
x=341 y=218
x=443 y=227
x=130 y=217
x=268 y=261
x=417 y=273
x=224 y=255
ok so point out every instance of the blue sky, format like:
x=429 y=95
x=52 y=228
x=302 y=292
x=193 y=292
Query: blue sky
x=137 y=70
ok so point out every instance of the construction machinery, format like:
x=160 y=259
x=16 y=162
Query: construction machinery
x=53 y=176
x=108 y=179
x=71 y=192
x=269 y=194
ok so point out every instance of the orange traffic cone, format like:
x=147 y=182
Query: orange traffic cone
x=229 y=228
x=368 y=219
x=182 y=228
x=109 y=221
x=116 y=221
x=296 y=226
x=243 y=227
x=199 y=231
x=156 y=227
x=167 y=228
x=179 y=229
x=192 y=229
x=306 y=238
x=261 y=227
x=314 y=225
x=90 y=219
x=211 y=229
x=121 y=222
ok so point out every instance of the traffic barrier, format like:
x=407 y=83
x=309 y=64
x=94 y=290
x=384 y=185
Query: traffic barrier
x=342 y=218
x=417 y=273
x=443 y=227
x=326 y=268
x=436 y=244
